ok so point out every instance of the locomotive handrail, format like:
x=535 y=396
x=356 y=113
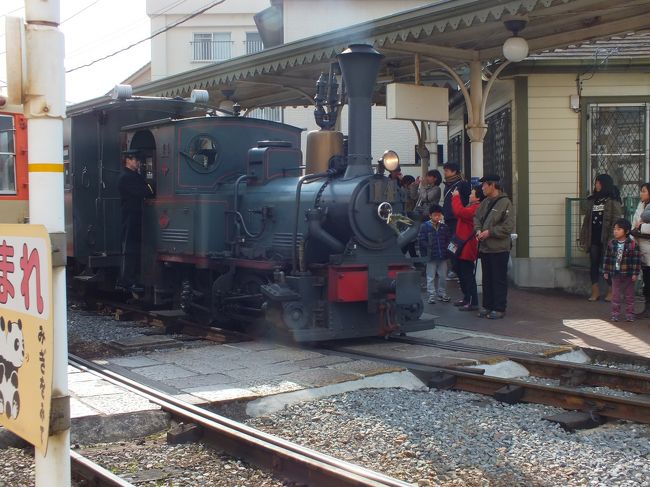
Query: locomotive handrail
x=294 y=236
x=238 y=215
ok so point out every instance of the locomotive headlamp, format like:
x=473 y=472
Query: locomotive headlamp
x=390 y=160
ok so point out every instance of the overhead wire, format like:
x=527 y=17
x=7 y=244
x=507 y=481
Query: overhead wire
x=107 y=40
x=80 y=11
x=11 y=11
x=156 y=14
x=62 y=22
x=157 y=33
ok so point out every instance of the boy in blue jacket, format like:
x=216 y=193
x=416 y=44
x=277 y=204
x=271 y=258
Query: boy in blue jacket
x=433 y=239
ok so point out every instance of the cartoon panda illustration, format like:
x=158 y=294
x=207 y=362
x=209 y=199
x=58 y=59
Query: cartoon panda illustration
x=9 y=396
x=12 y=356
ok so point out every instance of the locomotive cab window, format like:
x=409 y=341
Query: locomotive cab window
x=7 y=155
x=203 y=153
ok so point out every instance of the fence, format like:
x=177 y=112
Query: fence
x=574 y=255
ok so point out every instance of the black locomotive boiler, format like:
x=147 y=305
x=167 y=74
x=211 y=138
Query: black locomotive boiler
x=236 y=232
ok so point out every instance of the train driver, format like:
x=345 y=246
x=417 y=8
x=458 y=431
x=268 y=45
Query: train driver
x=133 y=190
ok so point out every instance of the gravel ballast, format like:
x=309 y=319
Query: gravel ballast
x=430 y=438
x=435 y=438
x=461 y=439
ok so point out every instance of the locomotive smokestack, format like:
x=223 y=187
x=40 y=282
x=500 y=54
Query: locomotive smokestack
x=359 y=66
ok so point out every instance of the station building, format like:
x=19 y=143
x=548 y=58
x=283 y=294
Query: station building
x=577 y=106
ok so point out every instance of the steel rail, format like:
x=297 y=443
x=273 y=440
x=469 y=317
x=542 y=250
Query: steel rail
x=95 y=474
x=280 y=456
x=609 y=406
x=609 y=356
x=584 y=374
x=617 y=407
x=567 y=372
x=460 y=347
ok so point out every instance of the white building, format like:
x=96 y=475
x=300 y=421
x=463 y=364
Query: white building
x=229 y=30
x=216 y=34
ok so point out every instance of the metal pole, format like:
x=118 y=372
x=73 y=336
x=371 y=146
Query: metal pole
x=477 y=131
x=45 y=109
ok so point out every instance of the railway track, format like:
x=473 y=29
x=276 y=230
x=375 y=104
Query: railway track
x=93 y=474
x=565 y=395
x=173 y=321
x=568 y=373
x=283 y=458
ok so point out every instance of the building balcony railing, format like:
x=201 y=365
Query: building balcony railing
x=211 y=51
x=254 y=46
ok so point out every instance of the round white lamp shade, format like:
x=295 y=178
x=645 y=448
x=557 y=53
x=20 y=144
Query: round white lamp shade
x=515 y=49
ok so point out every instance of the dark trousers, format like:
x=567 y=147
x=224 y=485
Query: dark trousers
x=453 y=260
x=410 y=249
x=131 y=243
x=467 y=281
x=646 y=282
x=595 y=260
x=495 y=280
x=596 y=254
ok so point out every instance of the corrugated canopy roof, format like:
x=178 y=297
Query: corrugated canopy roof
x=453 y=31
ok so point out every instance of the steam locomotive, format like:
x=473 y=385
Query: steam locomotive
x=236 y=232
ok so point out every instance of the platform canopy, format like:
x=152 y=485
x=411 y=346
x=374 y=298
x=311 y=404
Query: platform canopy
x=454 y=32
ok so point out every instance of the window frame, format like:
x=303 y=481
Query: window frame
x=586 y=104
x=217 y=42
x=12 y=155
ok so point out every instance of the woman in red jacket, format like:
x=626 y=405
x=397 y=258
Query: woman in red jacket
x=469 y=253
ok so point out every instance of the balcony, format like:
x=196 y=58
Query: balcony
x=253 y=46
x=211 y=51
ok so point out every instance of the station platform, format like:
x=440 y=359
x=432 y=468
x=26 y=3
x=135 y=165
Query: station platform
x=554 y=317
x=238 y=380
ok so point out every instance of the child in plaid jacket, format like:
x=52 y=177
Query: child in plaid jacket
x=623 y=264
x=434 y=238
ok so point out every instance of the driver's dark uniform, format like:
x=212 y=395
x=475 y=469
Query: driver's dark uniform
x=133 y=189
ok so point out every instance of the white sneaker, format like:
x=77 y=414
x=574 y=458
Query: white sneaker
x=444 y=298
x=451 y=276
x=432 y=300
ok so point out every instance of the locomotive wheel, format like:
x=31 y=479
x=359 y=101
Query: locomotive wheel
x=237 y=313
x=248 y=283
x=411 y=312
x=294 y=315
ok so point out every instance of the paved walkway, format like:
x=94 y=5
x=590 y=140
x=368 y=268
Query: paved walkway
x=555 y=317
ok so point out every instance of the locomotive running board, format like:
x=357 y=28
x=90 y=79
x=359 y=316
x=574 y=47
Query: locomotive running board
x=316 y=335
x=419 y=325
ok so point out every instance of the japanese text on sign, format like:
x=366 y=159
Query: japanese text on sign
x=22 y=286
x=26 y=332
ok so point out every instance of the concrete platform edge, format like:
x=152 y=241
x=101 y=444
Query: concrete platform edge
x=271 y=404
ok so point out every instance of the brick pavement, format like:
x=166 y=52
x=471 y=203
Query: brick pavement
x=553 y=316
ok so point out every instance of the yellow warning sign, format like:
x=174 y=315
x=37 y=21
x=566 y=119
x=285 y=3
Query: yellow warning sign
x=26 y=332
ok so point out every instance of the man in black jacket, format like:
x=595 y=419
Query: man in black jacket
x=133 y=190
x=453 y=181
